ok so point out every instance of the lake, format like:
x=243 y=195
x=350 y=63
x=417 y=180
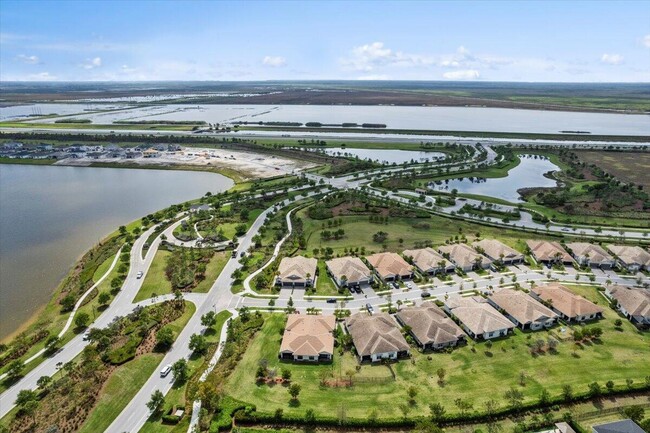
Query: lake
x=528 y=174
x=384 y=155
x=50 y=215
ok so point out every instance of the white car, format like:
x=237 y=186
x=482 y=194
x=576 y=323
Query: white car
x=166 y=370
x=139 y=275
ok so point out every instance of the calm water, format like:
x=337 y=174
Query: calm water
x=49 y=216
x=528 y=174
x=431 y=118
x=386 y=155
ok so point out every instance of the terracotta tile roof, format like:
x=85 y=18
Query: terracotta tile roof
x=565 y=301
x=477 y=315
x=494 y=249
x=462 y=255
x=635 y=301
x=375 y=334
x=430 y=324
x=547 y=250
x=296 y=268
x=522 y=307
x=630 y=255
x=596 y=253
x=351 y=267
x=390 y=264
x=307 y=335
x=427 y=259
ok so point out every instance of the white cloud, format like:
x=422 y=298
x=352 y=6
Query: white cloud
x=467 y=74
x=30 y=60
x=646 y=41
x=92 y=63
x=370 y=56
x=612 y=59
x=274 y=61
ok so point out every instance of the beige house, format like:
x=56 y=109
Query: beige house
x=633 y=303
x=499 y=252
x=478 y=318
x=430 y=327
x=587 y=254
x=631 y=258
x=390 y=266
x=549 y=252
x=296 y=272
x=428 y=261
x=308 y=338
x=523 y=310
x=376 y=337
x=567 y=304
x=464 y=257
x=349 y=271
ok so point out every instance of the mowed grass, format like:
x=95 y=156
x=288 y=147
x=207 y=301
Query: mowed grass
x=473 y=376
x=156 y=282
x=324 y=283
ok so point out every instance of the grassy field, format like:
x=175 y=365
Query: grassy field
x=156 y=282
x=324 y=284
x=626 y=166
x=618 y=356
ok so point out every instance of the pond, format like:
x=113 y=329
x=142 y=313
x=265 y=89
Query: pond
x=528 y=174
x=385 y=156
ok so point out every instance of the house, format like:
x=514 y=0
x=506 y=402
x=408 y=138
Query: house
x=390 y=266
x=308 y=338
x=95 y=155
x=523 y=310
x=41 y=155
x=633 y=259
x=150 y=153
x=349 y=271
x=13 y=145
x=376 y=337
x=428 y=261
x=173 y=148
x=464 y=257
x=478 y=318
x=198 y=207
x=633 y=303
x=133 y=154
x=623 y=426
x=296 y=271
x=430 y=327
x=567 y=304
x=45 y=146
x=498 y=252
x=549 y=252
x=587 y=254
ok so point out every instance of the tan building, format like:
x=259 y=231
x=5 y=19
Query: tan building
x=297 y=272
x=464 y=257
x=349 y=271
x=428 y=261
x=631 y=258
x=567 y=304
x=390 y=266
x=523 y=310
x=478 y=318
x=430 y=327
x=376 y=337
x=308 y=338
x=633 y=303
x=549 y=252
x=499 y=252
x=593 y=255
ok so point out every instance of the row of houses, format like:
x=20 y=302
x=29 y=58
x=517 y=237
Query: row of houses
x=15 y=150
x=630 y=258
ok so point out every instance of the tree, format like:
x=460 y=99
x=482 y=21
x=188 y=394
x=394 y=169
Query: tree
x=412 y=392
x=310 y=416
x=15 y=369
x=635 y=413
x=441 y=376
x=198 y=344
x=567 y=392
x=52 y=343
x=286 y=374
x=103 y=298
x=595 y=389
x=426 y=426
x=437 y=411
x=43 y=382
x=25 y=396
x=164 y=338
x=82 y=320
x=180 y=370
x=209 y=319
x=156 y=401
x=294 y=391
x=463 y=406
x=514 y=397
x=544 y=397
x=68 y=303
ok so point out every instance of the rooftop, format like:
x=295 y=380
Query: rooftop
x=427 y=258
x=548 y=251
x=477 y=315
x=635 y=301
x=462 y=254
x=430 y=324
x=306 y=335
x=352 y=268
x=297 y=268
x=630 y=255
x=375 y=334
x=389 y=264
x=565 y=301
x=521 y=306
x=496 y=250
x=596 y=253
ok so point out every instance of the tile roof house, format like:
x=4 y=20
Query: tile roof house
x=623 y=426
x=632 y=302
x=587 y=254
x=428 y=261
x=549 y=252
x=390 y=266
x=567 y=304
x=464 y=257
x=498 y=251
x=197 y=207
x=631 y=258
x=349 y=271
x=308 y=338
x=478 y=318
x=430 y=327
x=376 y=337
x=523 y=310
x=296 y=271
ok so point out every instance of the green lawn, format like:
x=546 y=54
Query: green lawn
x=156 y=282
x=324 y=284
x=620 y=355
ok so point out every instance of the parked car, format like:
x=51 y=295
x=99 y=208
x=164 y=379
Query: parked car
x=166 y=370
x=242 y=254
x=139 y=275
x=395 y=286
x=331 y=301
x=425 y=294
x=234 y=254
x=369 y=308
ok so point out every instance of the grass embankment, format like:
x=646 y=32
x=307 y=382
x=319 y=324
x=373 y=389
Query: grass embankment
x=27 y=161
x=619 y=355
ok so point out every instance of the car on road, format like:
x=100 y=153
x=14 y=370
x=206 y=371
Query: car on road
x=242 y=254
x=234 y=254
x=425 y=294
x=369 y=308
x=166 y=370
x=331 y=301
x=139 y=275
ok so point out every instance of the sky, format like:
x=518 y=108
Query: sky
x=530 y=41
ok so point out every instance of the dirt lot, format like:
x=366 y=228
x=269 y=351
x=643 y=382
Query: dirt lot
x=627 y=166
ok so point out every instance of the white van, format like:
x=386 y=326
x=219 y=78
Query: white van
x=165 y=371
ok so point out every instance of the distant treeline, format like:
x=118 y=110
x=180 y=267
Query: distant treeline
x=73 y=121
x=160 y=122
x=312 y=124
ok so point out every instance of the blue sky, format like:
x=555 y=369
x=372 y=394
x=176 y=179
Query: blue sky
x=489 y=41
